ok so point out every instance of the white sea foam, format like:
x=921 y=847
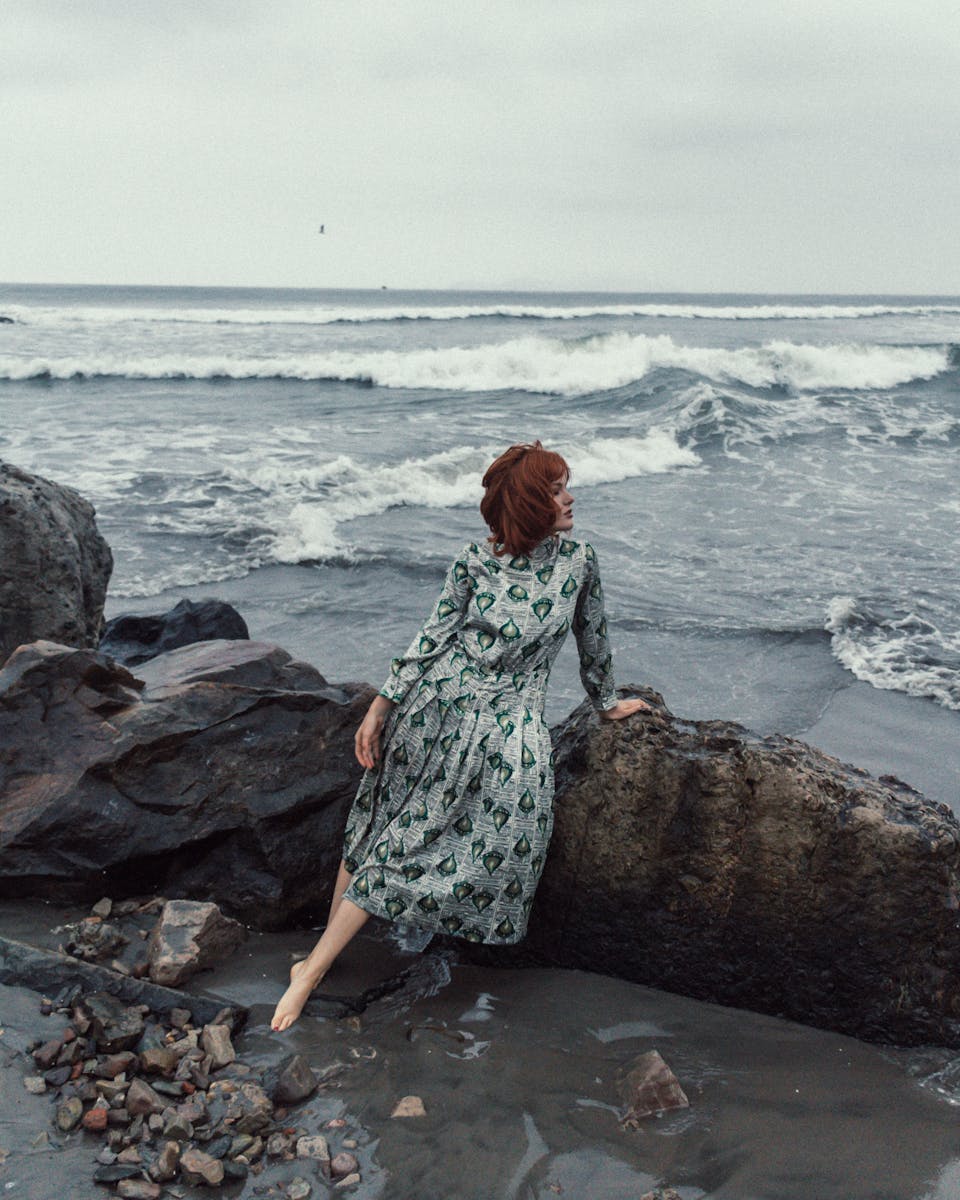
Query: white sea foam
x=533 y=364
x=319 y=314
x=905 y=652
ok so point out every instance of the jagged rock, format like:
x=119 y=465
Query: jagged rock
x=298 y=1188
x=139 y=1189
x=343 y=1164
x=69 y=1113
x=215 y=1040
x=115 y=1025
x=197 y=1167
x=224 y=772
x=292 y=1080
x=54 y=565
x=164 y=1166
x=142 y=1099
x=135 y=638
x=250 y=1109
x=650 y=1087
x=757 y=872
x=114 y=1173
x=95 y=1119
x=314 y=1147
x=189 y=936
x=36 y=1085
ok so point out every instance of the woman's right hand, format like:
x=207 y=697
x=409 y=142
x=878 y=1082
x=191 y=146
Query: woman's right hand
x=367 y=739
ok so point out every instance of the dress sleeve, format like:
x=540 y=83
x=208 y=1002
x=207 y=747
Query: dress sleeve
x=437 y=631
x=590 y=630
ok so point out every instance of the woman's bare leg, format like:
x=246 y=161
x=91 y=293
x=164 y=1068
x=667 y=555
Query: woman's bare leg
x=348 y=920
x=339 y=887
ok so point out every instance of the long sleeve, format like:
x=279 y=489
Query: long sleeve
x=590 y=630
x=435 y=634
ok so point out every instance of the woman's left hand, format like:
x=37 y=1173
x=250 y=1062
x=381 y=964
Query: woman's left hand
x=624 y=708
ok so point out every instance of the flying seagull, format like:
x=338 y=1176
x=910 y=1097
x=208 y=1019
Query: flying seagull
x=321 y=229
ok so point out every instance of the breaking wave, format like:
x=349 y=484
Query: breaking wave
x=531 y=364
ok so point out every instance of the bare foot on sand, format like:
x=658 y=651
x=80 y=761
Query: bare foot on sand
x=293 y=999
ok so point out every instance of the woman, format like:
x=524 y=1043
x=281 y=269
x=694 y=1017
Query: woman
x=451 y=822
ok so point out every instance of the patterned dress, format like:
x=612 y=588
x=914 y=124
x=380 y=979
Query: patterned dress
x=450 y=830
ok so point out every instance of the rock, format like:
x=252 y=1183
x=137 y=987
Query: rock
x=117 y=1064
x=298 y=1188
x=189 y=936
x=138 y=1189
x=225 y=771
x=215 y=1040
x=46 y=1055
x=142 y=1099
x=825 y=896
x=662 y=1193
x=343 y=1164
x=115 y=1025
x=166 y=1164
x=180 y=1017
x=314 y=1147
x=69 y=1113
x=159 y=1060
x=95 y=1119
x=177 y=1128
x=292 y=1081
x=234 y=1170
x=132 y=639
x=347 y=1181
x=57 y=1076
x=54 y=565
x=130 y=1155
x=36 y=1085
x=197 y=1167
x=103 y=908
x=409 y=1106
x=650 y=1087
x=250 y=1109
x=113 y=1174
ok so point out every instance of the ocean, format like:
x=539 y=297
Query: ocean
x=770 y=482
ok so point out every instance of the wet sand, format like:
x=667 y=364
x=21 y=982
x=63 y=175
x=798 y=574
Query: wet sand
x=517 y=1071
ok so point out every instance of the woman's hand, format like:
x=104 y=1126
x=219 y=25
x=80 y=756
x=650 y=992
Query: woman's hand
x=367 y=739
x=623 y=708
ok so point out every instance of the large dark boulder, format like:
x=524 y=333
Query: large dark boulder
x=756 y=872
x=54 y=565
x=222 y=771
x=133 y=638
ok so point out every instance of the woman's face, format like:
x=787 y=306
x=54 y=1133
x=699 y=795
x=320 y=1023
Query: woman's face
x=564 y=503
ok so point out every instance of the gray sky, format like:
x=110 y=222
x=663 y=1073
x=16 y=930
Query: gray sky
x=751 y=145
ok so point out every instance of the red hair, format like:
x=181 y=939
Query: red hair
x=518 y=502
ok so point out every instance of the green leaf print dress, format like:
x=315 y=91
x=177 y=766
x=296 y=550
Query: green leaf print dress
x=450 y=830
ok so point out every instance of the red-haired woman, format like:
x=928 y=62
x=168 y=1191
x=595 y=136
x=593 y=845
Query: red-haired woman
x=451 y=822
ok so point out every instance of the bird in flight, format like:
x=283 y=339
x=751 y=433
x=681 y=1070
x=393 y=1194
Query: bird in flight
x=321 y=229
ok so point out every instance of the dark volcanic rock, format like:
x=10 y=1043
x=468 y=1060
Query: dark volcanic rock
x=693 y=857
x=223 y=772
x=54 y=565
x=133 y=639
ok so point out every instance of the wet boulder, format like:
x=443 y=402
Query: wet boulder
x=54 y=565
x=221 y=771
x=189 y=936
x=757 y=872
x=134 y=638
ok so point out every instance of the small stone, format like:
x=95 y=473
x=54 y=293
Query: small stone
x=254 y=1150
x=667 y=1193
x=126 y=1062
x=110 y=1089
x=295 y=1080
x=179 y=1017
x=114 y=1025
x=197 y=1167
x=189 y=936
x=118 y=1117
x=141 y=1098
x=155 y=1122
x=313 y=1147
x=46 y=1055
x=138 y=1189
x=298 y=1188
x=250 y=1108
x=164 y=1167
x=350 y=1143
x=343 y=1164
x=348 y=1181
x=239 y=1145
x=46 y=1007
x=36 y=1085
x=159 y=1060
x=95 y=1119
x=103 y=908
x=215 y=1040
x=178 y=1128
x=69 y=1114
x=113 y=1174
x=58 y=1076
x=409 y=1106
x=278 y=1145
x=218 y=1147
x=130 y=1155
x=650 y=1087
x=234 y=1170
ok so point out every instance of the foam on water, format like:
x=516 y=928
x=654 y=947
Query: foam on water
x=319 y=314
x=532 y=364
x=896 y=650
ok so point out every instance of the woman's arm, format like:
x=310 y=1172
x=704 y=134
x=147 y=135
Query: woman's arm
x=593 y=645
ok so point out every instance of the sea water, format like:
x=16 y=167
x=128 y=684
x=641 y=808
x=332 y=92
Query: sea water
x=770 y=482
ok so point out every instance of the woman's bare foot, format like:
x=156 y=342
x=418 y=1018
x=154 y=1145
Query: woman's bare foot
x=293 y=999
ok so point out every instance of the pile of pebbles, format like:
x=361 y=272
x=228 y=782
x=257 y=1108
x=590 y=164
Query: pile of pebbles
x=173 y=1105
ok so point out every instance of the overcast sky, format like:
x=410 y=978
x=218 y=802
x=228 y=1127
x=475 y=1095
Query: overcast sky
x=738 y=145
